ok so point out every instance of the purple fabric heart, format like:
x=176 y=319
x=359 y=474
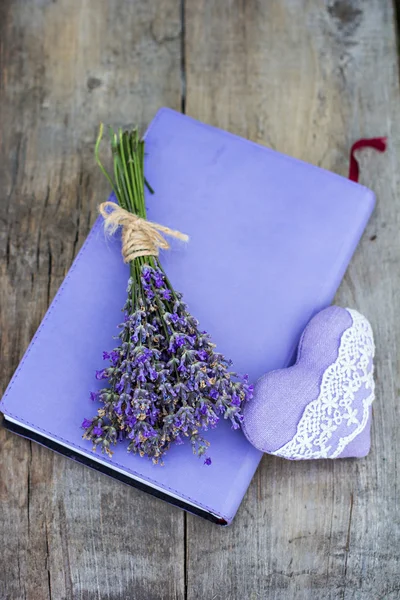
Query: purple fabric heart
x=321 y=406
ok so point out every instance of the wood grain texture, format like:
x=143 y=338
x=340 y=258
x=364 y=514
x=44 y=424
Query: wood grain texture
x=301 y=76
x=308 y=78
x=67 y=532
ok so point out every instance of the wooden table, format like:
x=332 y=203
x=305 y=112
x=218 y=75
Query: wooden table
x=305 y=77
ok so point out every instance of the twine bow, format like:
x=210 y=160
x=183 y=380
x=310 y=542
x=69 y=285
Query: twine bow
x=139 y=236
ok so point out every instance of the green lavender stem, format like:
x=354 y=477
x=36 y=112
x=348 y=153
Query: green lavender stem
x=128 y=183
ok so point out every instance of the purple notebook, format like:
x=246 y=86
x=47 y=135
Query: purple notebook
x=270 y=239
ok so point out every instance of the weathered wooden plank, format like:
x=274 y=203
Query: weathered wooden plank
x=66 y=532
x=308 y=78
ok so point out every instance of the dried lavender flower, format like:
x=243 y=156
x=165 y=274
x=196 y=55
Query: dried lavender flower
x=166 y=383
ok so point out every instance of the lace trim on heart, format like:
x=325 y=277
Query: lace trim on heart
x=334 y=408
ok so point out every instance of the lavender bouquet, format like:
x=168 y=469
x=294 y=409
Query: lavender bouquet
x=165 y=382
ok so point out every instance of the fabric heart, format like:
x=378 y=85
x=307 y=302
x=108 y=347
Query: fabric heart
x=321 y=406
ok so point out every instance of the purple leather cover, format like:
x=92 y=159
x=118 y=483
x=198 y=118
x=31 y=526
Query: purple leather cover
x=270 y=239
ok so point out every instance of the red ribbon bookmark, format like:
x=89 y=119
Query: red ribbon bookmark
x=378 y=143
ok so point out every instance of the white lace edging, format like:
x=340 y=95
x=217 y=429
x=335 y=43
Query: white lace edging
x=334 y=407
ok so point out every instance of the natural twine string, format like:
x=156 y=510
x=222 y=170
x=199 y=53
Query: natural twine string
x=139 y=236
